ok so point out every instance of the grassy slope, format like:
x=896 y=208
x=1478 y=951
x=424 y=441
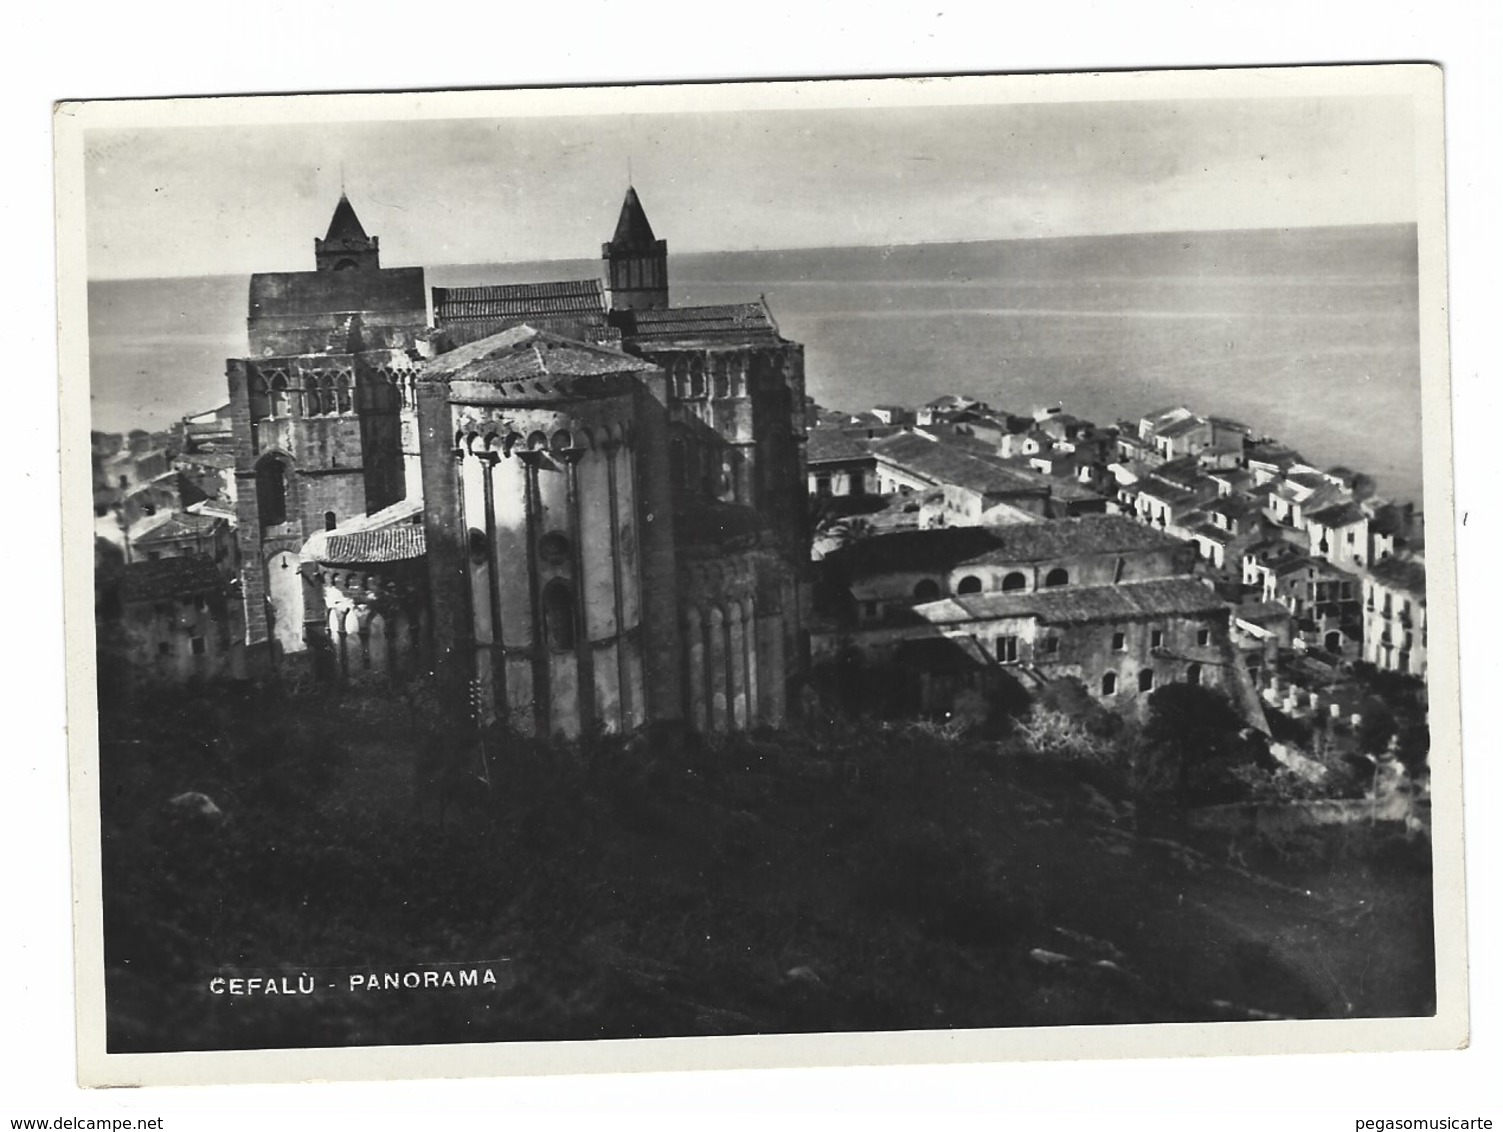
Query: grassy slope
x=853 y=880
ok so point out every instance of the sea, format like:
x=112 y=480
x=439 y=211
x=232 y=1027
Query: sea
x=1307 y=335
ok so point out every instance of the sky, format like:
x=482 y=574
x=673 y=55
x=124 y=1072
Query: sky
x=200 y=200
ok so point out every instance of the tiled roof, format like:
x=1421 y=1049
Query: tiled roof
x=171 y=577
x=1214 y=533
x=397 y=543
x=727 y=323
x=1407 y=574
x=525 y=352
x=180 y=525
x=519 y=301
x=1164 y=492
x=405 y=512
x=1338 y=515
x=1128 y=601
x=1182 y=428
x=828 y=444
x=945 y=548
x=947 y=462
x=1236 y=505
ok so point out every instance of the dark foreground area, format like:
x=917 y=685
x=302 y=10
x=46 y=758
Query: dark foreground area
x=841 y=878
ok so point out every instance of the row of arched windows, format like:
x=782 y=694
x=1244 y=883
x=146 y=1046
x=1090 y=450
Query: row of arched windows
x=928 y=589
x=692 y=379
x=323 y=394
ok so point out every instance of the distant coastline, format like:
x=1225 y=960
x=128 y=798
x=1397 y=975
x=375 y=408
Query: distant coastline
x=1307 y=334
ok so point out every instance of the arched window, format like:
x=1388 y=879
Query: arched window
x=722 y=379
x=1333 y=641
x=970 y=584
x=1109 y=684
x=1059 y=576
x=558 y=615
x=1016 y=580
x=330 y=521
x=279 y=404
x=271 y=492
x=927 y=590
x=260 y=400
x=1192 y=673
x=1145 y=680
x=341 y=395
x=696 y=378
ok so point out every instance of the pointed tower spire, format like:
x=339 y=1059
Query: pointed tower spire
x=346 y=245
x=636 y=261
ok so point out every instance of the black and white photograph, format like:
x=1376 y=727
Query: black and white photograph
x=836 y=565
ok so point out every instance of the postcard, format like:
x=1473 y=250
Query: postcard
x=760 y=574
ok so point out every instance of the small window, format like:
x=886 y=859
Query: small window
x=330 y=521
x=1048 y=646
x=1202 y=636
x=970 y=584
x=1014 y=581
x=164 y=648
x=1156 y=639
x=558 y=615
x=1192 y=674
x=1145 y=680
x=926 y=590
x=869 y=608
x=1109 y=684
x=1007 y=649
x=198 y=646
x=1059 y=576
x=1119 y=642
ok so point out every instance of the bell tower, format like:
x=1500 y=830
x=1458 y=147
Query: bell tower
x=346 y=246
x=636 y=261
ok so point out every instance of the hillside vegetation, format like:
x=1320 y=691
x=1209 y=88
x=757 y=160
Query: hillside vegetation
x=844 y=877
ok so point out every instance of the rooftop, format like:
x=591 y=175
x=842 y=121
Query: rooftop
x=178 y=525
x=1338 y=515
x=524 y=352
x=1182 y=427
x=518 y=301
x=726 y=324
x=171 y=577
x=944 y=548
x=346 y=542
x=396 y=543
x=828 y=445
x=1407 y=574
x=1159 y=597
x=949 y=462
x=633 y=232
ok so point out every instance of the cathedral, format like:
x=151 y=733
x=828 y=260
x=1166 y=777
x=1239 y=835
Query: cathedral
x=584 y=505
